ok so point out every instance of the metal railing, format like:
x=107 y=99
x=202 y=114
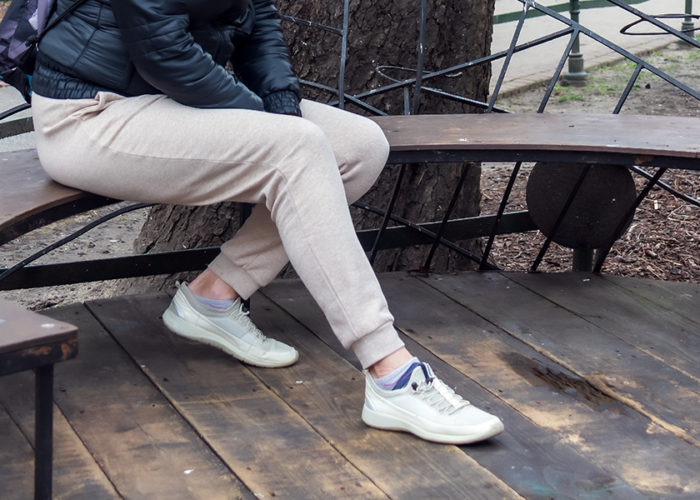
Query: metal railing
x=560 y=7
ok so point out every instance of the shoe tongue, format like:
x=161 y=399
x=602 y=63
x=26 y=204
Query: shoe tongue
x=406 y=377
x=422 y=372
x=428 y=372
x=244 y=305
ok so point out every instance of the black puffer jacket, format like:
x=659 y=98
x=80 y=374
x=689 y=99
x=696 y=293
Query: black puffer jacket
x=175 y=47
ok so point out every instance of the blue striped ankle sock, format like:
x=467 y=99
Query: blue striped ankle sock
x=399 y=377
x=215 y=303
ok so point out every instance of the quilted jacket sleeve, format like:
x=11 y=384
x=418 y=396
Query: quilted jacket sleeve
x=262 y=60
x=166 y=55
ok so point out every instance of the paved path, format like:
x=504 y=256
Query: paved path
x=9 y=98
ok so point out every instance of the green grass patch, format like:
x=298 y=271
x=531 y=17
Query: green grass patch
x=573 y=97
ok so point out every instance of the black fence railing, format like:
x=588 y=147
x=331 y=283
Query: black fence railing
x=561 y=7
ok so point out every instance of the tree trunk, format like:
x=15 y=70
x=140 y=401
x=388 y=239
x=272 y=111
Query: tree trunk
x=380 y=33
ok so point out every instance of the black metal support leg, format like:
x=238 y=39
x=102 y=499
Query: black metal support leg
x=499 y=215
x=604 y=251
x=387 y=215
x=583 y=259
x=43 y=428
x=441 y=231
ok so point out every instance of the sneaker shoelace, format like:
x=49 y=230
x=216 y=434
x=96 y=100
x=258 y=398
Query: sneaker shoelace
x=242 y=314
x=437 y=394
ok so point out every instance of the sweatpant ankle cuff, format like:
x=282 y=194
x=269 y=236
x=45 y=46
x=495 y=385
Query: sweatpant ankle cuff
x=235 y=276
x=377 y=345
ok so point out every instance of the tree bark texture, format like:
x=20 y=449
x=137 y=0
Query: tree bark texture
x=380 y=34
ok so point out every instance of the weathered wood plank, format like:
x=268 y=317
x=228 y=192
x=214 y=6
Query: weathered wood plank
x=617 y=439
x=22 y=329
x=27 y=189
x=143 y=445
x=681 y=297
x=639 y=135
x=274 y=451
x=76 y=475
x=657 y=331
x=616 y=368
x=328 y=392
x=531 y=460
x=16 y=460
x=292 y=296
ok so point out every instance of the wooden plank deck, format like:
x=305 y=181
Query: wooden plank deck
x=596 y=378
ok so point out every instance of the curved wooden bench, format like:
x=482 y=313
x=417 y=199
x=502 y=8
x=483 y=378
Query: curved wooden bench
x=29 y=199
x=662 y=141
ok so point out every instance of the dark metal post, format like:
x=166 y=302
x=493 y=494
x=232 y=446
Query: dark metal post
x=583 y=259
x=688 y=26
x=43 y=432
x=577 y=74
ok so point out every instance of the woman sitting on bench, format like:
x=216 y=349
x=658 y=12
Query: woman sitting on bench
x=132 y=100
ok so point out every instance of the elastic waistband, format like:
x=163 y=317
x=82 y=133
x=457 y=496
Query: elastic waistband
x=51 y=82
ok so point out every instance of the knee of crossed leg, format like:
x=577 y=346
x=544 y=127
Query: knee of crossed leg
x=306 y=167
x=368 y=153
x=308 y=145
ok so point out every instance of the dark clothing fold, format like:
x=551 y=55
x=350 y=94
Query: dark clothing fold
x=177 y=48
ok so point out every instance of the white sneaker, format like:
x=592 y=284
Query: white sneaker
x=427 y=408
x=230 y=330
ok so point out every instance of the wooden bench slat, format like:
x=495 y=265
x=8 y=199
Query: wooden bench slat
x=30 y=199
x=23 y=329
x=628 y=134
x=26 y=189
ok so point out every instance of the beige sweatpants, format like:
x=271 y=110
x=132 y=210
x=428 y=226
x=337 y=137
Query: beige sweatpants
x=300 y=172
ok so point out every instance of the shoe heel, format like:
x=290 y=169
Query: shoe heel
x=379 y=421
x=177 y=325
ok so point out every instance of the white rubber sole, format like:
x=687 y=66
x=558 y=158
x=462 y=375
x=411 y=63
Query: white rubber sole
x=392 y=423
x=192 y=332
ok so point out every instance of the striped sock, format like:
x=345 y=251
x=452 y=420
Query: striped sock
x=399 y=377
x=217 y=304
